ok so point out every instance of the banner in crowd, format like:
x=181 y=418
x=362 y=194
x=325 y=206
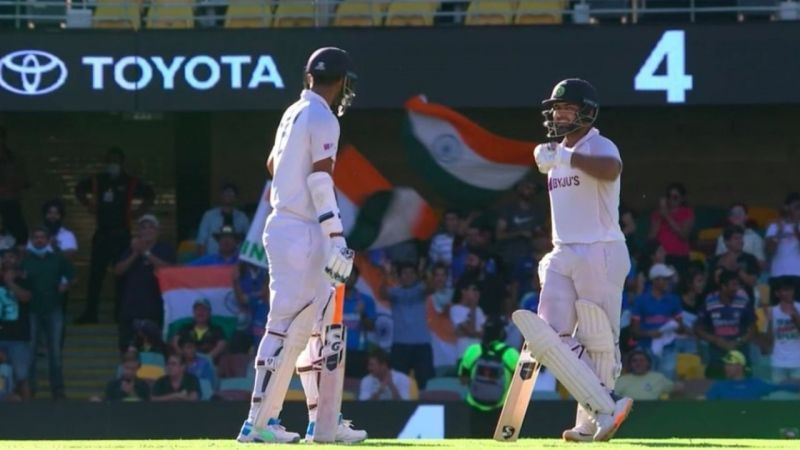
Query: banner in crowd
x=181 y=287
x=466 y=164
x=252 y=249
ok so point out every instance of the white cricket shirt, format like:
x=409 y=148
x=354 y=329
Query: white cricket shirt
x=308 y=132
x=584 y=209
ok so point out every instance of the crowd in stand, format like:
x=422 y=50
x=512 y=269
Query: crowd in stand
x=716 y=304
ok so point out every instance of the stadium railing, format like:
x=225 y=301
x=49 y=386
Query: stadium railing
x=143 y=14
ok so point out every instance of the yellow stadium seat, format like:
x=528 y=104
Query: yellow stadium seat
x=413 y=388
x=689 y=367
x=410 y=13
x=150 y=372
x=697 y=256
x=117 y=14
x=358 y=13
x=763 y=291
x=295 y=395
x=248 y=14
x=709 y=234
x=294 y=13
x=490 y=12
x=170 y=14
x=538 y=12
x=763 y=216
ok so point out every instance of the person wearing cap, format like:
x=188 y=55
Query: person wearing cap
x=306 y=249
x=738 y=386
x=139 y=293
x=727 y=322
x=49 y=275
x=656 y=317
x=207 y=336
x=226 y=214
x=110 y=196
x=227 y=249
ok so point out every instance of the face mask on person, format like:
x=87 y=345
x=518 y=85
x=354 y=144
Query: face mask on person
x=39 y=251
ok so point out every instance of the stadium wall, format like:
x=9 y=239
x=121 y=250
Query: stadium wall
x=219 y=420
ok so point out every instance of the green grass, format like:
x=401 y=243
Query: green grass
x=386 y=444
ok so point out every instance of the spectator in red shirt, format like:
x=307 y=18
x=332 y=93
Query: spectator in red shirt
x=671 y=224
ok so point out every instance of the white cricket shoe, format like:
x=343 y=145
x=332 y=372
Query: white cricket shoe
x=273 y=433
x=345 y=434
x=584 y=428
x=608 y=424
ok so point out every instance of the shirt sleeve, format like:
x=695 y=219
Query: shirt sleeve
x=772 y=230
x=403 y=385
x=366 y=389
x=324 y=130
x=606 y=148
x=68 y=241
x=458 y=315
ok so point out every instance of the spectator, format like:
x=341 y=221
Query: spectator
x=735 y=260
x=441 y=249
x=13 y=180
x=176 y=385
x=15 y=325
x=411 y=346
x=641 y=383
x=140 y=295
x=251 y=287
x=198 y=366
x=227 y=250
x=128 y=387
x=736 y=386
x=783 y=243
x=478 y=237
x=494 y=300
x=517 y=224
x=753 y=242
x=726 y=321
x=147 y=338
x=225 y=214
x=209 y=338
x=655 y=319
x=442 y=294
x=653 y=253
x=62 y=239
x=7 y=240
x=524 y=269
x=49 y=275
x=466 y=315
x=671 y=224
x=358 y=315
x=438 y=306
x=487 y=369
x=627 y=223
x=530 y=296
x=383 y=383
x=691 y=289
x=109 y=196
x=783 y=333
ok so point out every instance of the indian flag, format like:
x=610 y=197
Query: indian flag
x=375 y=213
x=462 y=161
x=182 y=286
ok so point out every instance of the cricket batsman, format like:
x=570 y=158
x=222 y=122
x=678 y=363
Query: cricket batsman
x=306 y=249
x=576 y=332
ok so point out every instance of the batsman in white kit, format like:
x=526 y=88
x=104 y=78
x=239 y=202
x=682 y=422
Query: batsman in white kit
x=576 y=333
x=308 y=257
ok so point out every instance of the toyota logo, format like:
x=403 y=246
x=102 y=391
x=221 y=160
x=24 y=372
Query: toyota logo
x=32 y=72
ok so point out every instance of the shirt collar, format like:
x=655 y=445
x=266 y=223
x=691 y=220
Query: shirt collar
x=310 y=95
x=592 y=133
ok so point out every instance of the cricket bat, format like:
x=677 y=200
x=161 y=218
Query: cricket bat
x=518 y=397
x=331 y=378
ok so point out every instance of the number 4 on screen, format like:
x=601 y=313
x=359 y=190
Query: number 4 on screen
x=676 y=82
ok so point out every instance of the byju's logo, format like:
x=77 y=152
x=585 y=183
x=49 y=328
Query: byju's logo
x=32 y=72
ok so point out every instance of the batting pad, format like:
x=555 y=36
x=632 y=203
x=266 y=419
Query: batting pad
x=547 y=348
x=594 y=332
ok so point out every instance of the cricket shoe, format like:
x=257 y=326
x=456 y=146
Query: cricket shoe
x=584 y=428
x=345 y=434
x=608 y=424
x=273 y=433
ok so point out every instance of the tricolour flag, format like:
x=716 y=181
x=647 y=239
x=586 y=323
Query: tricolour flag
x=375 y=213
x=182 y=286
x=463 y=162
x=252 y=249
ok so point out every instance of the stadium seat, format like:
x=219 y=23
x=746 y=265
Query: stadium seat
x=410 y=13
x=689 y=367
x=545 y=395
x=709 y=234
x=248 y=14
x=150 y=372
x=447 y=384
x=294 y=13
x=170 y=14
x=152 y=358
x=236 y=384
x=117 y=14
x=782 y=395
x=762 y=216
x=358 y=13
x=697 y=256
x=489 y=12
x=537 y=12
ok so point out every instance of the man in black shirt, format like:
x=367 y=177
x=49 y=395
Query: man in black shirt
x=128 y=387
x=109 y=195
